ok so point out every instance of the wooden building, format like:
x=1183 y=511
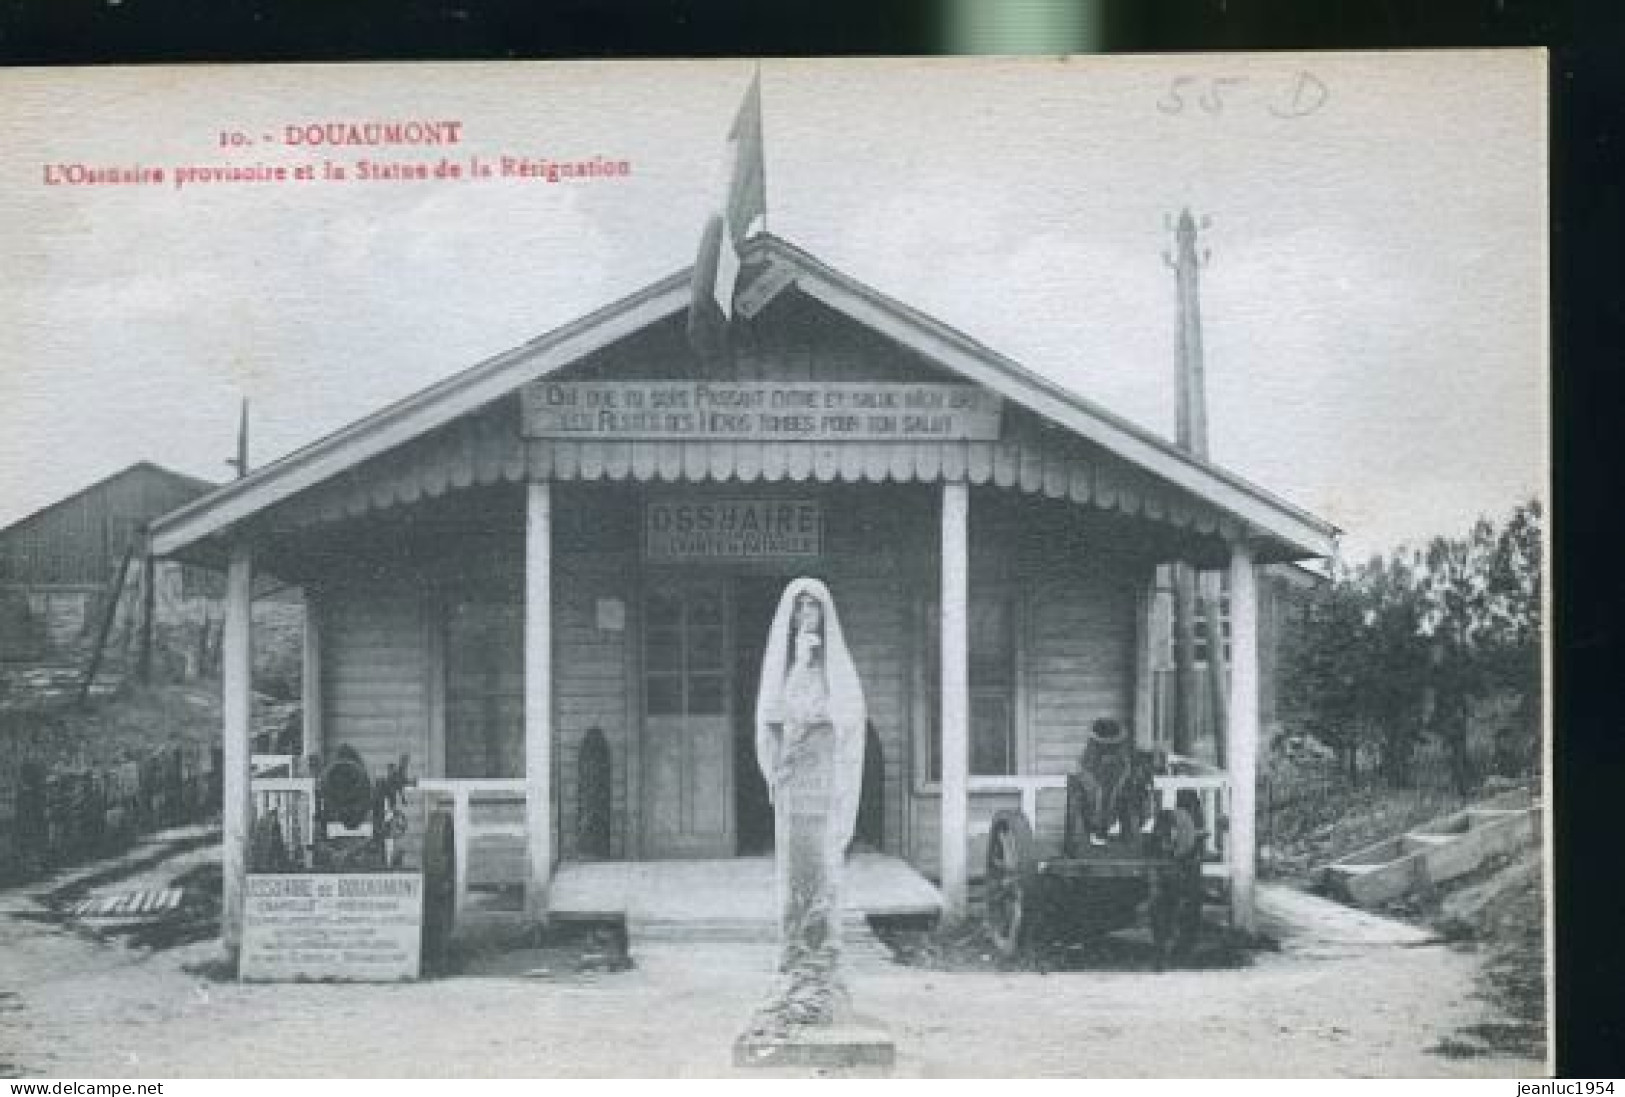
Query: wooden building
x=58 y=564
x=588 y=533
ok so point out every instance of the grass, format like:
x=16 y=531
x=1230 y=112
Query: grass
x=127 y=726
x=1331 y=821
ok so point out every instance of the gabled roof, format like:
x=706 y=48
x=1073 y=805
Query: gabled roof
x=147 y=468
x=496 y=377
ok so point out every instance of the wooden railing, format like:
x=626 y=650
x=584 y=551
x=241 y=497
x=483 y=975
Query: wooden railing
x=462 y=792
x=1210 y=785
x=291 y=799
x=1028 y=787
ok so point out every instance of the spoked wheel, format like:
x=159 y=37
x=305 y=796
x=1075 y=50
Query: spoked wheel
x=1012 y=875
x=439 y=889
x=1176 y=893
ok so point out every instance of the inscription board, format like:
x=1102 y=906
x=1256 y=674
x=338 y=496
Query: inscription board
x=783 y=411
x=732 y=529
x=363 y=927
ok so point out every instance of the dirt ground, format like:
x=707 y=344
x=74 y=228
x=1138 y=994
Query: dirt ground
x=77 y=1003
x=1497 y=910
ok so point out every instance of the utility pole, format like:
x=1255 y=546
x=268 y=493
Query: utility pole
x=240 y=462
x=149 y=604
x=1192 y=589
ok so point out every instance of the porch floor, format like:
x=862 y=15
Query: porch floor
x=737 y=889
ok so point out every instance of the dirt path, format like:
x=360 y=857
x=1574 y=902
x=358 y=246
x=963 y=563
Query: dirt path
x=80 y=1007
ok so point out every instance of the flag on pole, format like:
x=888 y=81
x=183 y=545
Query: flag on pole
x=716 y=270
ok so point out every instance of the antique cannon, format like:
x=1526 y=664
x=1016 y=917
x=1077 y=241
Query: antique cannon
x=359 y=821
x=1122 y=852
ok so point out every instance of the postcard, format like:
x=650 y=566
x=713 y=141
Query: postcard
x=975 y=567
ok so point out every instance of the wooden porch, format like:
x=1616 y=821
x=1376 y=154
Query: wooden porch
x=733 y=892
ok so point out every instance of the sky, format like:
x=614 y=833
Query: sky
x=1374 y=305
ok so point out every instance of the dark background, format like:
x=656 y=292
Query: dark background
x=1588 y=241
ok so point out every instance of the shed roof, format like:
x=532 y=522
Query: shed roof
x=179 y=480
x=1296 y=532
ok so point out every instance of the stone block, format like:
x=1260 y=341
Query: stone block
x=838 y=1047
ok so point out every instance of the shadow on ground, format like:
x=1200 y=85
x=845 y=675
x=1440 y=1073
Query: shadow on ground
x=969 y=948
x=567 y=952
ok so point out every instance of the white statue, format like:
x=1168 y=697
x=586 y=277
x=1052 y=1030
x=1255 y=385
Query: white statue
x=810 y=727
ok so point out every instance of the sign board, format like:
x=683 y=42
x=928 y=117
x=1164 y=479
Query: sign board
x=732 y=529
x=779 y=411
x=756 y=295
x=611 y=614
x=359 y=927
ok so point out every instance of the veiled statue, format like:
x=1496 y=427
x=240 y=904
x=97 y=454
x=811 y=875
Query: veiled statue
x=810 y=725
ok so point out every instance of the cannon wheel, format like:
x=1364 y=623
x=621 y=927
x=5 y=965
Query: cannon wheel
x=1011 y=882
x=439 y=889
x=1176 y=896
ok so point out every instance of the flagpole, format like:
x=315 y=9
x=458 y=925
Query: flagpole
x=761 y=112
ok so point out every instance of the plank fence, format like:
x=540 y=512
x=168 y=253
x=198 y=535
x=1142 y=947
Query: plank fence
x=54 y=816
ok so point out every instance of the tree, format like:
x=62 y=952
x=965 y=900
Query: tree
x=1484 y=616
x=1360 y=675
x=1406 y=644
x=1323 y=680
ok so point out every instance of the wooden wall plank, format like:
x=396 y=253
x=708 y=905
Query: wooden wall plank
x=592 y=459
x=978 y=462
x=826 y=461
x=375 y=678
x=799 y=460
x=645 y=460
x=748 y=461
x=1030 y=474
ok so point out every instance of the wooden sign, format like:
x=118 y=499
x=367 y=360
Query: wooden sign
x=732 y=529
x=783 y=411
x=363 y=927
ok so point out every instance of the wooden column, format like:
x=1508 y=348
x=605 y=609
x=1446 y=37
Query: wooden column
x=1145 y=606
x=1244 y=733
x=1211 y=593
x=149 y=607
x=955 y=694
x=538 y=695
x=236 y=703
x=1187 y=689
x=311 y=678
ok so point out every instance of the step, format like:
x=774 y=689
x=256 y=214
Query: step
x=1445 y=849
x=1415 y=842
x=151 y=903
x=857 y=938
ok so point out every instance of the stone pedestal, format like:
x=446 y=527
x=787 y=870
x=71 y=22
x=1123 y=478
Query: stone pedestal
x=852 y=1046
x=807 y=1022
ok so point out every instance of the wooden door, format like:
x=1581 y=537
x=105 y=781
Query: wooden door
x=688 y=783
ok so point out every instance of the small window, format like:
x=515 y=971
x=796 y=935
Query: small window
x=1172 y=656
x=1202 y=628
x=992 y=626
